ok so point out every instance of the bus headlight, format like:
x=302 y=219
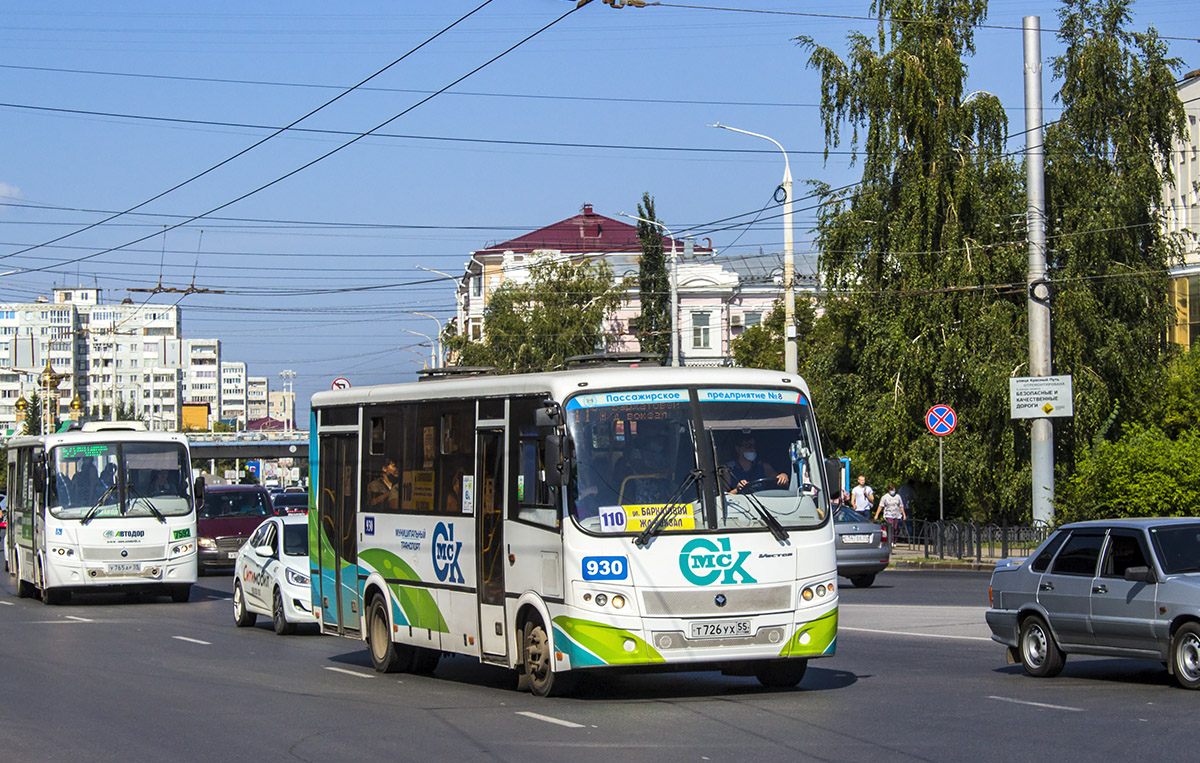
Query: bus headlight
x=182 y=548
x=208 y=543
x=61 y=551
x=295 y=578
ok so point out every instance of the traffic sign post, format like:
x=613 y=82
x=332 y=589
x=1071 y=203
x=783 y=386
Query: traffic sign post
x=940 y=420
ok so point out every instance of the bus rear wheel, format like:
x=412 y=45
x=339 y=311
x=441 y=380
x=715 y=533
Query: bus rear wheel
x=386 y=655
x=25 y=589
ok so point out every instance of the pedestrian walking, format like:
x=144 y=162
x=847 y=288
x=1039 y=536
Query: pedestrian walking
x=891 y=505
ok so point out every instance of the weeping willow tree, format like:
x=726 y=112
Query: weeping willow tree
x=921 y=259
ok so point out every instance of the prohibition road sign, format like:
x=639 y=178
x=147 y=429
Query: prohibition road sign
x=340 y=383
x=941 y=420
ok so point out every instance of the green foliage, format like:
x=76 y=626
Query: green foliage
x=919 y=260
x=536 y=326
x=1143 y=474
x=1106 y=163
x=33 y=415
x=653 y=325
x=761 y=346
x=926 y=264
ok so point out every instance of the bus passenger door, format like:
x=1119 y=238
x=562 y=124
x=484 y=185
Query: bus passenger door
x=337 y=506
x=489 y=486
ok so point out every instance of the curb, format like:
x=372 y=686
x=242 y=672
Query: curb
x=938 y=565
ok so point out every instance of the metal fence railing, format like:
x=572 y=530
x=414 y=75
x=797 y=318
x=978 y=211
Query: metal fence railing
x=953 y=539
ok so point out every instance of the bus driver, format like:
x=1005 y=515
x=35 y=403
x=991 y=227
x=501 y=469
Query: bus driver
x=747 y=467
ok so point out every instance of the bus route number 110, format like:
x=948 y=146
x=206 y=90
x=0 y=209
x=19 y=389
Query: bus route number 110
x=605 y=568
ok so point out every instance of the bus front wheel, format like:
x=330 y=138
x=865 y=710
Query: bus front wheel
x=181 y=592
x=386 y=655
x=539 y=675
x=780 y=674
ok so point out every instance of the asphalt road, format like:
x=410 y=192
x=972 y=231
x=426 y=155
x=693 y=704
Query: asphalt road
x=915 y=678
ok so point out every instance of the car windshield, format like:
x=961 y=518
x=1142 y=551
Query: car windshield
x=1178 y=548
x=636 y=455
x=234 y=503
x=110 y=479
x=295 y=540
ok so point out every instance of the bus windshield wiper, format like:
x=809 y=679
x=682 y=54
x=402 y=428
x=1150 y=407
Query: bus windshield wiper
x=768 y=518
x=668 y=510
x=149 y=504
x=87 y=517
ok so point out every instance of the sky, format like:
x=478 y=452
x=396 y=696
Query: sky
x=305 y=251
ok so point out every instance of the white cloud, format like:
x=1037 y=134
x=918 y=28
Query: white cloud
x=9 y=193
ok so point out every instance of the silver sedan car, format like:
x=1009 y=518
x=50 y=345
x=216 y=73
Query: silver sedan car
x=863 y=547
x=1117 y=588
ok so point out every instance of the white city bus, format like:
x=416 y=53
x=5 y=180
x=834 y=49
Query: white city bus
x=108 y=507
x=596 y=519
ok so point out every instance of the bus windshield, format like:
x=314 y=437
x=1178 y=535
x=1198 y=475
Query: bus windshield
x=636 y=458
x=119 y=479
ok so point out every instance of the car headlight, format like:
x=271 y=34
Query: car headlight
x=207 y=543
x=296 y=578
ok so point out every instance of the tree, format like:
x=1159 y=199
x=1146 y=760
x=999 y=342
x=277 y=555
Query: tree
x=1107 y=159
x=653 y=327
x=33 y=414
x=536 y=326
x=761 y=346
x=918 y=259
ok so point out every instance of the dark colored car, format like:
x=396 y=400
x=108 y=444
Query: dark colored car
x=1115 y=588
x=863 y=547
x=293 y=503
x=226 y=518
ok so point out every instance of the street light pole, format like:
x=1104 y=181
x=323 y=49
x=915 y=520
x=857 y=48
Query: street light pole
x=432 y=348
x=439 y=334
x=288 y=377
x=674 y=286
x=790 y=362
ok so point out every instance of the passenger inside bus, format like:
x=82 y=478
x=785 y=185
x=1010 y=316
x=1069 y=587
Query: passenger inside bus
x=85 y=487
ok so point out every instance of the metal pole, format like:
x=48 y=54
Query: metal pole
x=1042 y=432
x=674 y=302
x=941 y=506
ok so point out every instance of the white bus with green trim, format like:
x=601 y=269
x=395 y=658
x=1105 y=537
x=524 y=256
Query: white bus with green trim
x=103 y=509
x=604 y=518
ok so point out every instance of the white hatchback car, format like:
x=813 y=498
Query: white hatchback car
x=270 y=576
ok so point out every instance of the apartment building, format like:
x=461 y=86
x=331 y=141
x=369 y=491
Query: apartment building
x=257 y=398
x=233 y=394
x=1181 y=202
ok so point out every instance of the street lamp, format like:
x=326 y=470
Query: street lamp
x=432 y=348
x=289 y=401
x=674 y=287
x=439 y=334
x=420 y=355
x=789 y=264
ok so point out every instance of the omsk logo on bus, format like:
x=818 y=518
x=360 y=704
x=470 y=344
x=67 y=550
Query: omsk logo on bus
x=445 y=554
x=701 y=561
x=111 y=534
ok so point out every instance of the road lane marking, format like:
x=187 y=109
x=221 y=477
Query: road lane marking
x=192 y=640
x=354 y=673
x=78 y=619
x=549 y=719
x=918 y=635
x=1039 y=704
x=6 y=603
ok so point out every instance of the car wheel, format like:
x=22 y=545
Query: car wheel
x=863 y=581
x=386 y=655
x=535 y=648
x=241 y=615
x=1040 y=655
x=279 y=617
x=1185 y=655
x=181 y=593
x=780 y=674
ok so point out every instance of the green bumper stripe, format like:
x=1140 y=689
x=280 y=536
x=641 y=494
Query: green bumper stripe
x=818 y=637
x=419 y=608
x=597 y=641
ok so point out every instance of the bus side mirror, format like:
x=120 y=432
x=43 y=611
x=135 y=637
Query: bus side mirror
x=198 y=491
x=558 y=466
x=39 y=476
x=548 y=416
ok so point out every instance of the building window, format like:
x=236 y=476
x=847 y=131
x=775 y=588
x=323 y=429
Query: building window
x=477 y=286
x=753 y=319
x=700 y=339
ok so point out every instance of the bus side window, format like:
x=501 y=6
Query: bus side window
x=536 y=501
